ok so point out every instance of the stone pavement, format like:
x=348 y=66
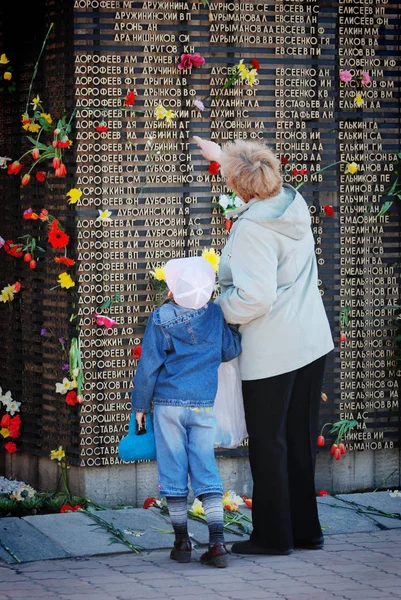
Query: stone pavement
x=68 y=557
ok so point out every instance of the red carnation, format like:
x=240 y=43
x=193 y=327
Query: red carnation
x=130 y=99
x=40 y=175
x=284 y=160
x=255 y=64
x=328 y=210
x=213 y=168
x=71 y=398
x=102 y=128
x=296 y=172
x=10 y=447
x=137 y=352
x=149 y=502
x=323 y=493
x=57 y=237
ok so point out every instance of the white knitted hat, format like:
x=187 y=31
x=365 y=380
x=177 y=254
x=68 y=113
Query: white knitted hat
x=191 y=280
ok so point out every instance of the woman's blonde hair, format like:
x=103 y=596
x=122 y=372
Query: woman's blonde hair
x=251 y=169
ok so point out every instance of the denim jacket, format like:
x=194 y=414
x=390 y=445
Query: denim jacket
x=181 y=351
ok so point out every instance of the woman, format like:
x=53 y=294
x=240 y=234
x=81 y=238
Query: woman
x=269 y=287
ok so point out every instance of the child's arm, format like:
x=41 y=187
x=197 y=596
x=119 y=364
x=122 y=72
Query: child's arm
x=154 y=351
x=231 y=342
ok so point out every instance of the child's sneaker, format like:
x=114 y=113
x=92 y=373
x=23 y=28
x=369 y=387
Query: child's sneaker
x=181 y=551
x=216 y=556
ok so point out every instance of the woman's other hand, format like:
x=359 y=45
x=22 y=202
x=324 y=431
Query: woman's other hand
x=140 y=419
x=209 y=150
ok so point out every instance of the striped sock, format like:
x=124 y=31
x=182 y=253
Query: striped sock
x=213 y=507
x=177 y=508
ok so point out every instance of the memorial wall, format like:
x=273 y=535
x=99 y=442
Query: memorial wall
x=319 y=82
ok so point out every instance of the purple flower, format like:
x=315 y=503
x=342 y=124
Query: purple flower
x=43 y=331
x=2 y=242
x=65 y=367
x=62 y=340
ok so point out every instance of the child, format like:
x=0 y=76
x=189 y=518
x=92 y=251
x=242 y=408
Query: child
x=184 y=343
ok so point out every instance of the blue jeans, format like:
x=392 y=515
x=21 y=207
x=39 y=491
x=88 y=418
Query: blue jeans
x=185 y=447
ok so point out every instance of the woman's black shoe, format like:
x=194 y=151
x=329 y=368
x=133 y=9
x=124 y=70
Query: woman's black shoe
x=312 y=544
x=249 y=547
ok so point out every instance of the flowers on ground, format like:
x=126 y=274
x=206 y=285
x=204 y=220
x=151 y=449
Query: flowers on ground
x=151 y=501
x=197 y=507
x=68 y=508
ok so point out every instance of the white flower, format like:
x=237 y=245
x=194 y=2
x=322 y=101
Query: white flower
x=3 y=162
x=13 y=407
x=22 y=492
x=231 y=496
x=395 y=494
x=238 y=202
x=75 y=372
x=199 y=105
x=224 y=201
x=149 y=141
x=104 y=215
x=65 y=386
x=5 y=398
x=35 y=102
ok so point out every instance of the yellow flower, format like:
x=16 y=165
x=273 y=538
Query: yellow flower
x=160 y=112
x=3 y=59
x=197 y=507
x=26 y=126
x=35 y=102
x=158 y=274
x=241 y=67
x=8 y=76
x=169 y=116
x=359 y=101
x=244 y=73
x=33 y=127
x=74 y=195
x=47 y=117
x=352 y=168
x=7 y=293
x=324 y=397
x=212 y=257
x=251 y=77
x=58 y=454
x=65 y=281
x=5 y=432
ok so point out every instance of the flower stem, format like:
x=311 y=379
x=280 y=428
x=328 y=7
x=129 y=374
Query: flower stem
x=35 y=69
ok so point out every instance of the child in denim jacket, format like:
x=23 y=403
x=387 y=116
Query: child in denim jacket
x=184 y=343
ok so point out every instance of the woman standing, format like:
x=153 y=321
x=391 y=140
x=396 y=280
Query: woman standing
x=269 y=287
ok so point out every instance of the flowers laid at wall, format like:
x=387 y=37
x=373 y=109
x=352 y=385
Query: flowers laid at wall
x=187 y=61
x=104 y=320
x=10 y=421
x=340 y=428
x=6 y=75
x=8 y=292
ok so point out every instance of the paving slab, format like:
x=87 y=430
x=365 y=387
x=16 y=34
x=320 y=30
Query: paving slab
x=337 y=516
x=26 y=542
x=76 y=533
x=381 y=501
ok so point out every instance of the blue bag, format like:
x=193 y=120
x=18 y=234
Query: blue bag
x=138 y=446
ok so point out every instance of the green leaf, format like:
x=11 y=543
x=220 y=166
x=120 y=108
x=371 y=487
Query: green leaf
x=106 y=304
x=37 y=144
x=385 y=207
